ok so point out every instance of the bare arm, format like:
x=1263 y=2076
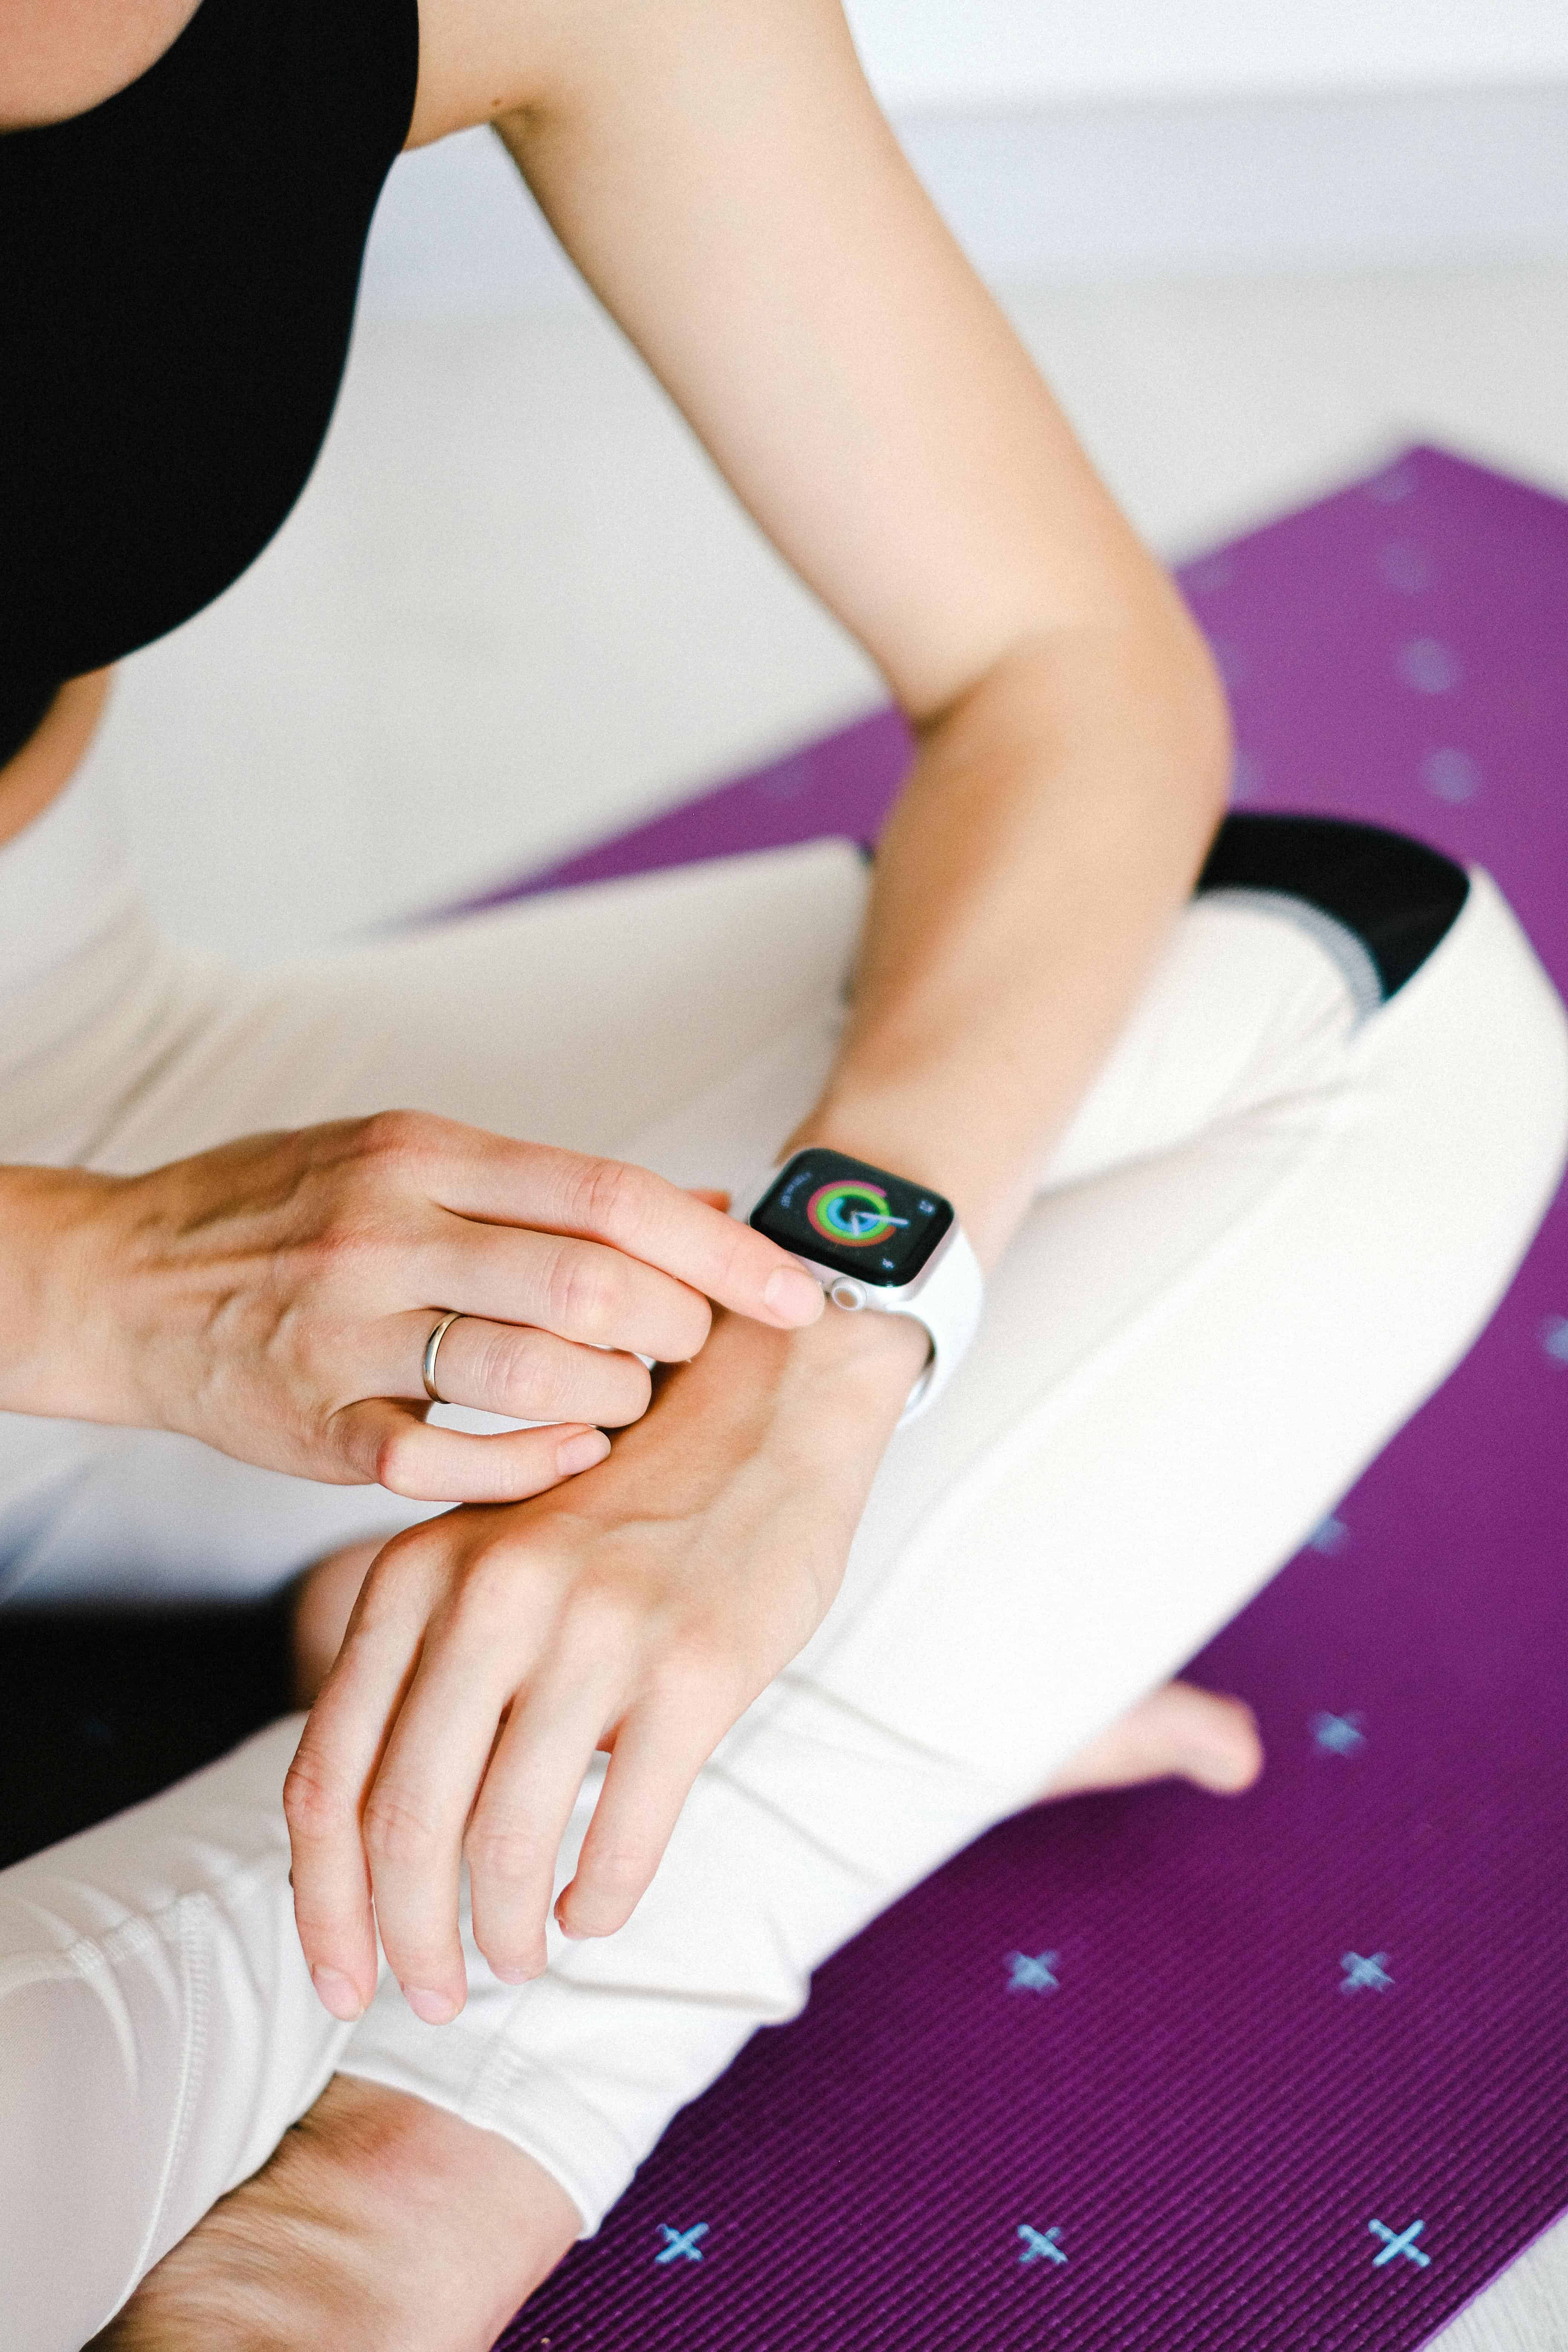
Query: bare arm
x=1056 y=817
x=720 y=174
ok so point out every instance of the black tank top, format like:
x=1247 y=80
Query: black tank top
x=177 y=276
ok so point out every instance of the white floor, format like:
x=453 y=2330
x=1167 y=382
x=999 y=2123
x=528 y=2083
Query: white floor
x=515 y=608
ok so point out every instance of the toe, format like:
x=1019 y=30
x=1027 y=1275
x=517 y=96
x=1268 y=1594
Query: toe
x=1177 y=1732
x=1217 y=1742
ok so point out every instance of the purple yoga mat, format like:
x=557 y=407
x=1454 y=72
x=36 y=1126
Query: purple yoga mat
x=1149 y=2070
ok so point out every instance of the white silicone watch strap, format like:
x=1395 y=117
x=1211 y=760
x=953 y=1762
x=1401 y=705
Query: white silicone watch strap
x=950 y=1308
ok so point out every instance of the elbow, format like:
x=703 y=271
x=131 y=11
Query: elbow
x=1198 y=748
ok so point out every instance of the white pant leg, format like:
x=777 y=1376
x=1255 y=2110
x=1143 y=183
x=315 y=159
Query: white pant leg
x=1190 y=1354
x=1267 y=1238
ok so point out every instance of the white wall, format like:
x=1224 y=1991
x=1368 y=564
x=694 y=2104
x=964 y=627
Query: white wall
x=946 y=54
x=1065 y=140
x=1058 y=194
x=1356 y=181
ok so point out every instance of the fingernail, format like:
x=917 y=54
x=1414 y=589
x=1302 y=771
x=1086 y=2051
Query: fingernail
x=577 y=1454
x=794 y=1296
x=337 y=1993
x=434 y=2008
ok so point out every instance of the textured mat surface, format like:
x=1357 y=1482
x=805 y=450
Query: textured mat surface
x=1146 y=2070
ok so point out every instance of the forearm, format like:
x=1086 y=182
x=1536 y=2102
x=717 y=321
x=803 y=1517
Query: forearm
x=1053 y=822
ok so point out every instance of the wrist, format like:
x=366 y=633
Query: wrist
x=860 y=1365
x=879 y=1242
x=837 y=1388
x=54 y=1282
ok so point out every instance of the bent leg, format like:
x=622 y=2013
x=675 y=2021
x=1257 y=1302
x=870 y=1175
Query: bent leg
x=1122 y=1461
x=1192 y=1351
x=158 y=2034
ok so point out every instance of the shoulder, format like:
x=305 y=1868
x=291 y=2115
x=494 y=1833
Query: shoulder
x=480 y=59
x=59 y=58
x=483 y=61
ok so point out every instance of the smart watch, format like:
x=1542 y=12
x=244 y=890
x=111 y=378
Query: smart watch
x=875 y=1240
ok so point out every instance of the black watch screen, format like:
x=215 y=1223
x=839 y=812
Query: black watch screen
x=858 y=1220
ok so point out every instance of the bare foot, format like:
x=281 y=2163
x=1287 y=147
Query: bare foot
x=1178 y=1731
x=327 y=1594
x=379 y=2224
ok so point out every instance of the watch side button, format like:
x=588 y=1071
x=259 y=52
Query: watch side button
x=850 y=1295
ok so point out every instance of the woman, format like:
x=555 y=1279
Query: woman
x=1247 y=1171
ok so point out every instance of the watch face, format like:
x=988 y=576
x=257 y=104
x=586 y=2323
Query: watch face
x=858 y=1220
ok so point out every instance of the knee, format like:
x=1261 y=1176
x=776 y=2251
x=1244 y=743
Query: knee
x=1475 y=1050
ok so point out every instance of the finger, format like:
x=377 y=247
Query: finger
x=513 y=1369
x=582 y=1291
x=633 y=1210
x=704 y=1193
x=522 y=1815
x=658 y=1754
x=388 y=1443
x=331 y=1776
x=475 y=1661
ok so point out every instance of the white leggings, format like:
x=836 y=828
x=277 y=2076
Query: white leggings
x=1274 y=1225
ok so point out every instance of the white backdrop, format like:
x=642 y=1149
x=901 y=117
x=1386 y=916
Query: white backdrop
x=1052 y=194
x=1066 y=139
x=938 y=55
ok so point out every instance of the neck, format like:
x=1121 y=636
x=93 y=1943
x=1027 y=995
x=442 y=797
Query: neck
x=47 y=761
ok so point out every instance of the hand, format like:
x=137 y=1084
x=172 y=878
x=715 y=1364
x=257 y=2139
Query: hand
x=639 y=1611
x=274 y=1297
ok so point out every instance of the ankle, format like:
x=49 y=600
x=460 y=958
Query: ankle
x=438 y=2195
x=379 y=2224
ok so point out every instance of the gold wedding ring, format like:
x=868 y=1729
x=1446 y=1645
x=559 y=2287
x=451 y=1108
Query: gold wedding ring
x=432 y=1346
